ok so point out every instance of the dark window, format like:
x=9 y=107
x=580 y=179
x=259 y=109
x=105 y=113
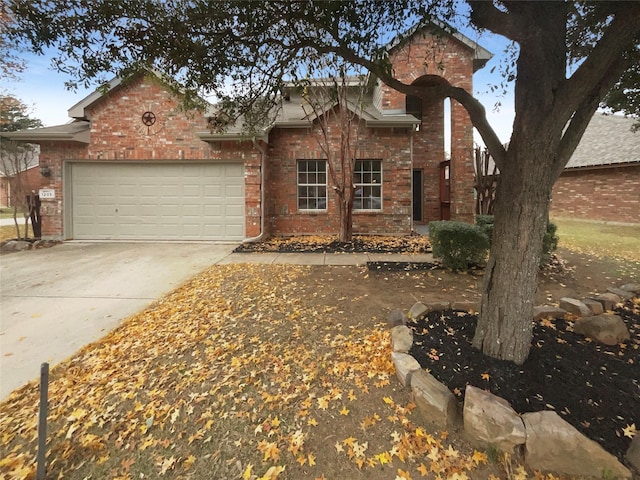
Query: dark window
x=312 y=184
x=367 y=177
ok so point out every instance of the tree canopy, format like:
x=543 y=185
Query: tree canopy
x=14 y=115
x=241 y=51
x=569 y=58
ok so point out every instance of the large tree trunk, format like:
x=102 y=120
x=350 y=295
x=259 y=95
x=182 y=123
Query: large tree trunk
x=505 y=324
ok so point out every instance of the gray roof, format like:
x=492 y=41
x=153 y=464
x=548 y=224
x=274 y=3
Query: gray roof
x=291 y=114
x=608 y=140
x=79 y=109
x=75 y=131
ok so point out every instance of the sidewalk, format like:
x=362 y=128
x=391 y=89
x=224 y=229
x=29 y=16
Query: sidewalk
x=324 y=258
x=9 y=221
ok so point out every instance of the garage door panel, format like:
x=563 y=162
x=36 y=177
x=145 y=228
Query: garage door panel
x=158 y=201
x=213 y=191
x=233 y=191
x=233 y=210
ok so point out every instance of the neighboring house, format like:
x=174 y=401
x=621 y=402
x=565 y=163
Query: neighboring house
x=25 y=176
x=133 y=166
x=602 y=180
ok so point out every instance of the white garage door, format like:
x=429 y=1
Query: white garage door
x=157 y=201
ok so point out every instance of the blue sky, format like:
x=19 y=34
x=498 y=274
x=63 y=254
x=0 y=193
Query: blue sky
x=43 y=89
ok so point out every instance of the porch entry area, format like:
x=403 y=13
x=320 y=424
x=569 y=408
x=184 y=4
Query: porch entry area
x=444 y=188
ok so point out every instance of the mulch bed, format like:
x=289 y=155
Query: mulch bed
x=401 y=266
x=594 y=387
x=326 y=244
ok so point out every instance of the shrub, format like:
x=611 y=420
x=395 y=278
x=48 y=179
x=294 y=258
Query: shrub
x=549 y=241
x=485 y=222
x=459 y=245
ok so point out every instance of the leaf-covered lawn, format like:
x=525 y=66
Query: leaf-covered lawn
x=254 y=371
x=247 y=372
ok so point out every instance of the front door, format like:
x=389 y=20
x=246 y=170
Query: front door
x=445 y=190
x=417 y=195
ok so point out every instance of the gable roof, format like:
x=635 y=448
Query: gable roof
x=480 y=54
x=608 y=140
x=291 y=114
x=78 y=111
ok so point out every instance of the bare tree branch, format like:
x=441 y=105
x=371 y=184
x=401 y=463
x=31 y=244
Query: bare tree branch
x=485 y=15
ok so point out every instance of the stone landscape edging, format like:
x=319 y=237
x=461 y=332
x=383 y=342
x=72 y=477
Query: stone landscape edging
x=489 y=420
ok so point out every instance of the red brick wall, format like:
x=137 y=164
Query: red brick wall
x=289 y=145
x=26 y=181
x=431 y=58
x=604 y=194
x=118 y=134
x=117 y=131
x=53 y=155
x=4 y=191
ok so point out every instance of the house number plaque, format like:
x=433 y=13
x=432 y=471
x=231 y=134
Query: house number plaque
x=47 y=194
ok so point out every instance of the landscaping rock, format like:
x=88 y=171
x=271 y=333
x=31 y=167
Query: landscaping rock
x=405 y=365
x=575 y=307
x=438 y=306
x=624 y=294
x=608 y=300
x=606 y=328
x=554 y=445
x=490 y=420
x=595 y=306
x=401 y=338
x=45 y=244
x=418 y=311
x=548 y=311
x=396 y=317
x=435 y=402
x=466 y=306
x=15 y=246
x=631 y=287
x=633 y=454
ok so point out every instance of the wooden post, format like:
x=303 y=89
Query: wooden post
x=42 y=422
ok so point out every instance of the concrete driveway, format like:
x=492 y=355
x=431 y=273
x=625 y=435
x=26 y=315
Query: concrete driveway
x=56 y=300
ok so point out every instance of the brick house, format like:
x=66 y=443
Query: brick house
x=18 y=177
x=602 y=180
x=132 y=165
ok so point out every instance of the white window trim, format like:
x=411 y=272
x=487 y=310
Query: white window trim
x=371 y=210
x=325 y=185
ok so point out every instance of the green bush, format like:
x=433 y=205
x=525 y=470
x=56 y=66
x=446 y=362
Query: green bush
x=459 y=245
x=549 y=241
x=485 y=222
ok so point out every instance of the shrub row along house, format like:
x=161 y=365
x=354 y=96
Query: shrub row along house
x=132 y=165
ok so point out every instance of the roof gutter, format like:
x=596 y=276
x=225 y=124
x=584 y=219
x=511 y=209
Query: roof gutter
x=262 y=192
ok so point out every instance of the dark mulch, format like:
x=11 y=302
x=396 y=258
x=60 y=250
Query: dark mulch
x=594 y=387
x=324 y=244
x=401 y=266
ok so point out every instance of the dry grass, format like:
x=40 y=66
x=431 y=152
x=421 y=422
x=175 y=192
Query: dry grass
x=8 y=232
x=600 y=239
